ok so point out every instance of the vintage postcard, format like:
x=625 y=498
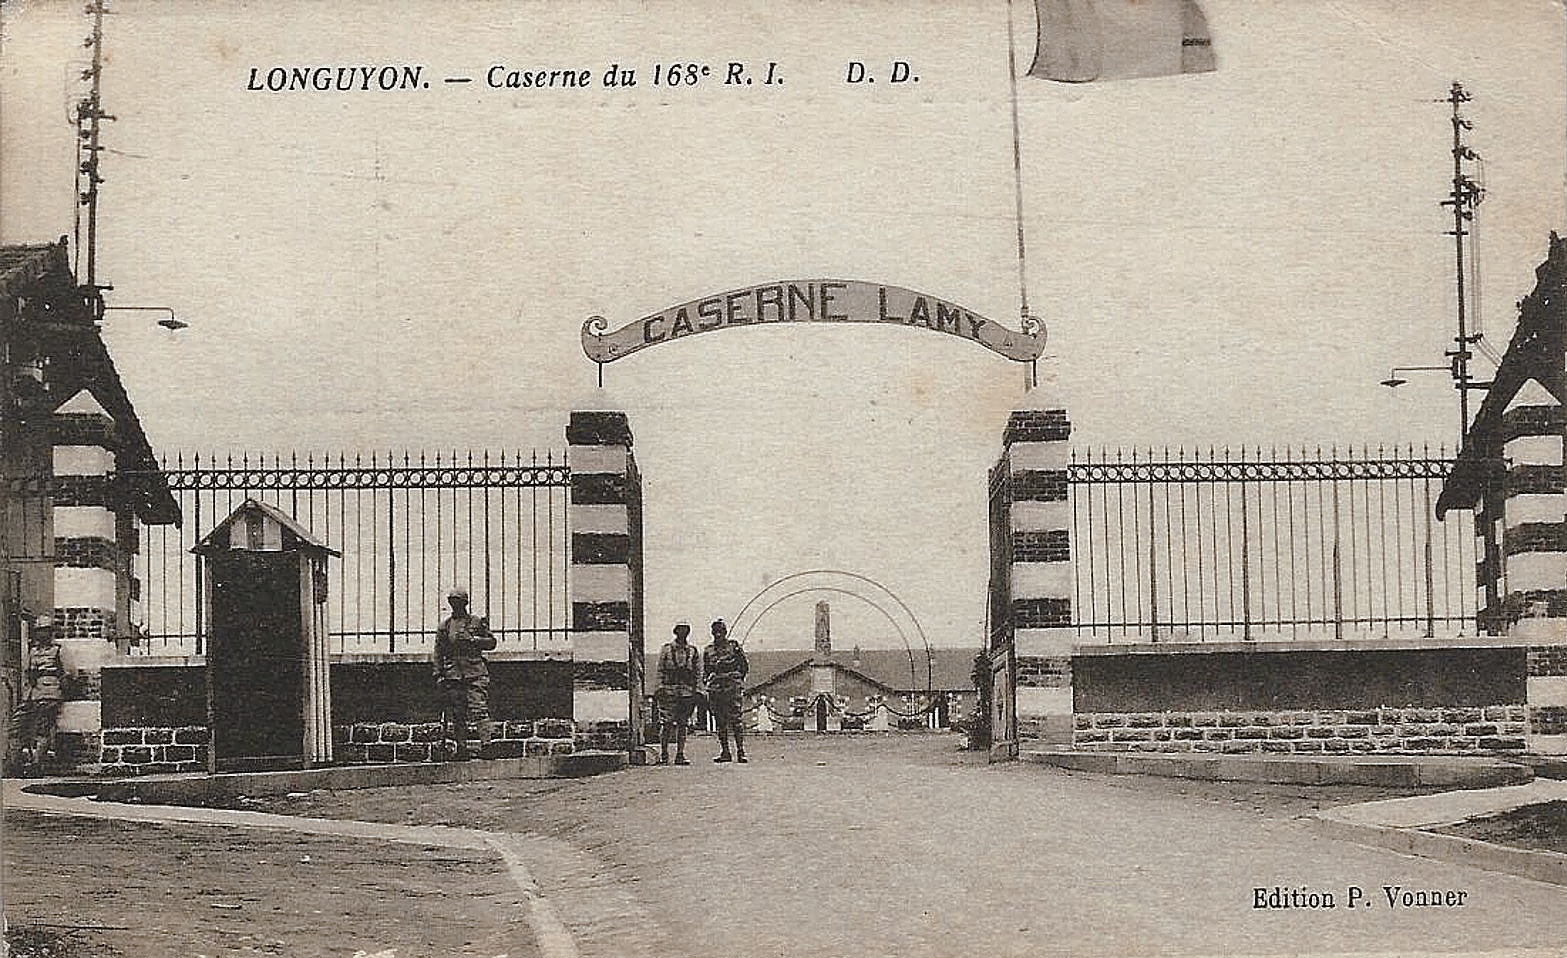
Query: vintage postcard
x=1017 y=477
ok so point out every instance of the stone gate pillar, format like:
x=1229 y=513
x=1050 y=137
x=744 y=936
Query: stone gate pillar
x=1527 y=517
x=91 y=575
x=1035 y=459
x=605 y=518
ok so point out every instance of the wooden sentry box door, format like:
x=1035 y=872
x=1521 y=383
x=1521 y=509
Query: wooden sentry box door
x=255 y=660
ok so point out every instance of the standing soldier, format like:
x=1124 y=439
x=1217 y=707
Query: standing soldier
x=725 y=667
x=460 y=673
x=679 y=677
x=38 y=713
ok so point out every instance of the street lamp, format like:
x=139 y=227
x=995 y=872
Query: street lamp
x=1461 y=382
x=169 y=322
x=1393 y=380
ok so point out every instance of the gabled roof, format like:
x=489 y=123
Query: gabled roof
x=25 y=264
x=947 y=669
x=219 y=538
x=1535 y=353
x=79 y=360
x=753 y=684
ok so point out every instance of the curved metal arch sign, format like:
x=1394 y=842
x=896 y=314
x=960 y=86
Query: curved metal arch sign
x=811 y=301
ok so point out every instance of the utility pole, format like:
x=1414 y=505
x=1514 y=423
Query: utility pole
x=89 y=117
x=1464 y=197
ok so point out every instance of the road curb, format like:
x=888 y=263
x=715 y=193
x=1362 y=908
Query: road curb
x=1454 y=772
x=1541 y=866
x=554 y=940
x=194 y=788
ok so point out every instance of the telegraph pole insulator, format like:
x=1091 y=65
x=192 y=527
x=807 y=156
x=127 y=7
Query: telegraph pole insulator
x=1465 y=196
x=89 y=119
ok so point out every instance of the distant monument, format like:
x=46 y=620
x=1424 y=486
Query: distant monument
x=823 y=631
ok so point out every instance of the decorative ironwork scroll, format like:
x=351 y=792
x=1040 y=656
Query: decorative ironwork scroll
x=812 y=301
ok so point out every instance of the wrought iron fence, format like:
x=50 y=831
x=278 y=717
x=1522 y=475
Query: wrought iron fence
x=408 y=526
x=1222 y=545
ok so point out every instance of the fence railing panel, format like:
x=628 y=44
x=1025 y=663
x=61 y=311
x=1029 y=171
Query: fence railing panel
x=1221 y=545
x=408 y=527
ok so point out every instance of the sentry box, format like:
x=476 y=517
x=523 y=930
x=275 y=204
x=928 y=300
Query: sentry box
x=269 y=695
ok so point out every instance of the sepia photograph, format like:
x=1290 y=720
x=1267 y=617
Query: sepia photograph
x=576 y=478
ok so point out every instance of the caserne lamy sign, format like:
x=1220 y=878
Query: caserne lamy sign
x=811 y=301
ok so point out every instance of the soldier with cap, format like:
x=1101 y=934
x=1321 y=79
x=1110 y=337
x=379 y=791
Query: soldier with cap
x=679 y=678
x=37 y=715
x=460 y=673
x=725 y=667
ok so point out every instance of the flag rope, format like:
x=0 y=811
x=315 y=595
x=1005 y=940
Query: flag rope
x=1017 y=189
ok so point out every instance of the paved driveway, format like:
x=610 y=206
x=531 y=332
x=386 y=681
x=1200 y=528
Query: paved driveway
x=867 y=846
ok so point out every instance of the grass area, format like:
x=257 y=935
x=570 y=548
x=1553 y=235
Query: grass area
x=1541 y=827
x=53 y=941
x=79 y=887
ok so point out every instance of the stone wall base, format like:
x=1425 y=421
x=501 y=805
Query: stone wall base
x=370 y=743
x=604 y=735
x=1496 y=729
x=1548 y=720
x=151 y=750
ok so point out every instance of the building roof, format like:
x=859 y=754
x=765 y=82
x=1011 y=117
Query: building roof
x=948 y=669
x=757 y=682
x=69 y=335
x=1534 y=353
x=219 y=538
x=22 y=265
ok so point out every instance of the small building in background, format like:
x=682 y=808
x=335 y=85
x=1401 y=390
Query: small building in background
x=77 y=481
x=829 y=690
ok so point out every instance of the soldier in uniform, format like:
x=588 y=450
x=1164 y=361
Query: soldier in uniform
x=460 y=673
x=679 y=678
x=725 y=667
x=37 y=715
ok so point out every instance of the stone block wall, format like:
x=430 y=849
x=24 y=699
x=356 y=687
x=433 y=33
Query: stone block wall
x=1548 y=698
x=603 y=736
x=1495 y=729
x=1295 y=700
x=147 y=750
x=384 y=709
x=380 y=743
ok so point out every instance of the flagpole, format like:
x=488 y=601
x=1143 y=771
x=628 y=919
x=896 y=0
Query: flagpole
x=1032 y=376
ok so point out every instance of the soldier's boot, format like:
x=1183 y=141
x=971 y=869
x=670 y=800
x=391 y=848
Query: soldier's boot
x=723 y=746
x=739 y=745
x=486 y=733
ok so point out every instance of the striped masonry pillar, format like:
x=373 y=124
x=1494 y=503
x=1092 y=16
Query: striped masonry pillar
x=88 y=594
x=1041 y=573
x=1533 y=567
x=606 y=547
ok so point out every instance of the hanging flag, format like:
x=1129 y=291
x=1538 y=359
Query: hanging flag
x=1081 y=41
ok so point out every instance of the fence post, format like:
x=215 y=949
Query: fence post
x=1338 y=571
x=391 y=563
x=1245 y=557
x=201 y=563
x=1153 y=569
x=1430 y=583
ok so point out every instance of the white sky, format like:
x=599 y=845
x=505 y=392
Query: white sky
x=1228 y=258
